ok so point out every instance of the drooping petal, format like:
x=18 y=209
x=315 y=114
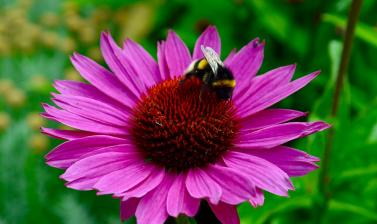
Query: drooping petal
x=179 y=201
x=266 y=83
x=236 y=188
x=86 y=172
x=268 y=117
x=92 y=109
x=97 y=165
x=81 y=123
x=245 y=64
x=262 y=173
x=69 y=152
x=121 y=66
x=177 y=55
x=124 y=179
x=272 y=136
x=258 y=199
x=162 y=63
x=142 y=62
x=150 y=183
x=292 y=161
x=209 y=38
x=74 y=88
x=128 y=208
x=258 y=104
x=103 y=80
x=200 y=185
x=82 y=184
x=227 y=214
x=65 y=134
x=152 y=207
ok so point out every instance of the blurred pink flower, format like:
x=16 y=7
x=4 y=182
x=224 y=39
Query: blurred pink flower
x=144 y=138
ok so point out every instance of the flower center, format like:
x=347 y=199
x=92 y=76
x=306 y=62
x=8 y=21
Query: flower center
x=182 y=125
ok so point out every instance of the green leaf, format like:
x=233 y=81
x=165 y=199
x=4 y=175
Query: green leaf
x=72 y=211
x=344 y=208
x=363 y=31
x=359 y=172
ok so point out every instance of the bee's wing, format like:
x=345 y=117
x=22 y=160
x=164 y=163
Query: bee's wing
x=212 y=57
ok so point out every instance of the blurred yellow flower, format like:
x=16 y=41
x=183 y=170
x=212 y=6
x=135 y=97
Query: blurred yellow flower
x=49 y=39
x=15 y=97
x=138 y=21
x=95 y=53
x=71 y=74
x=74 y=22
x=67 y=45
x=35 y=121
x=39 y=83
x=49 y=19
x=4 y=121
x=88 y=35
x=6 y=85
x=38 y=143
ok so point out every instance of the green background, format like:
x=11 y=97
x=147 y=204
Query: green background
x=36 y=38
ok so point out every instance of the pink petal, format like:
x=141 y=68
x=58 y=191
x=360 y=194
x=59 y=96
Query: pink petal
x=279 y=134
x=266 y=83
x=128 y=208
x=121 y=66
x=162 y=64
x=262 y=173
x=209 y=38
x=227 y=214
x=124 y=179
x=236 y=188
x=100 y=164
x=69 y=152
x=150 y=183
x=230 y=56
x=200 y=185
x=92 y=109
x=179 y=201
x=268 y=117
x=74 y=88
x=82 y=184
x=152 y=207
x=85 y=173
x=258 y=199
x=65 y=134
x=103 y=80
x=292 y=161
x=257 y=104
x=81 y=123
x=177 y=54
x=245 y=64
x=142 y=62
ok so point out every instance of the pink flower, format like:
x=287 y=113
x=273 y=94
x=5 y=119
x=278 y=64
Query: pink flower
x=142 y=137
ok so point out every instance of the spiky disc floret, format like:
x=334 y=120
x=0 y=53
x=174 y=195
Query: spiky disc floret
x=180 y=126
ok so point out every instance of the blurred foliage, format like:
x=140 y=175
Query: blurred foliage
x=37 y=37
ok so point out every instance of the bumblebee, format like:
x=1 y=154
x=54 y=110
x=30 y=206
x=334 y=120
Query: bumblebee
x=211 y=70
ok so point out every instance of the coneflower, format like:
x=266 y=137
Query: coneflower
x=161 y=147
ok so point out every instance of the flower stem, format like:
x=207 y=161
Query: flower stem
x=205 y=215
x=182 y=219
x=345 y=58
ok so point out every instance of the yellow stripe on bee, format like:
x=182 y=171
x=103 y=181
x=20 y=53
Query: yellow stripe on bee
x=225 y=83
x=202 y=64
